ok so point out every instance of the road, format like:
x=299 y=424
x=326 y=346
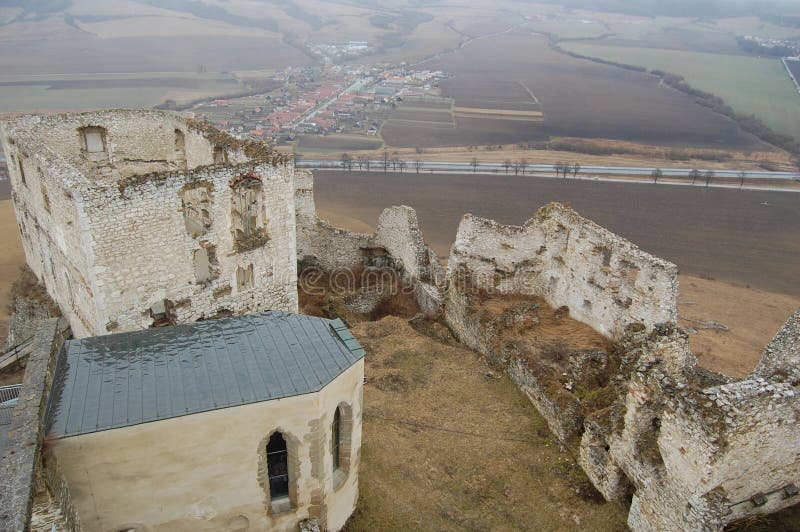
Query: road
x=591 y=171
x=609 y=174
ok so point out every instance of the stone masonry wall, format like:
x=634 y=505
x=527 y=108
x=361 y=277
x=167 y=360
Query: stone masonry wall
x=134 y=274
x=606 y=281
x=18 y=464
x=321 y=245
x=108 y=239
x=699 y=456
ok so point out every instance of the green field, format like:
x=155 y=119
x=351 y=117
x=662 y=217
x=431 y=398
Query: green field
x=751 y=85
x=570 y=28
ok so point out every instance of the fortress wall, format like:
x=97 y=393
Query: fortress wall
x=53 y=228
x=606 y=281
x=136 y=274
x=781 y=358
x=397 y=243
x=398 y=232
x=728 y=452
x=108 y=235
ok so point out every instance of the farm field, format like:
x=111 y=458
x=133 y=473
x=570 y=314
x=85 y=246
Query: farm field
x=751 y=85
x=578 y=98
x=750 y=238
x=336 y=144
x=65 y=92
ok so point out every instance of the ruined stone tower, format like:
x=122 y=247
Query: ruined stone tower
x=134 y=219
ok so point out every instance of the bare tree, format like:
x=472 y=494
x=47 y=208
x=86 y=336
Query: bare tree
x=557 y=167
x=474 y=163
x=385 y=160
x=709 y=176
x=742 y=177
x=656 y=175
x=507 y=164
x=694 y=174
x=575 y=169
x=360 y=162
x=523 y=164
x=567 y=169
x=367 y=162
x=516 y=167
x=418 y=164
x=402 y=165
x=395 y=160
x=347 y=161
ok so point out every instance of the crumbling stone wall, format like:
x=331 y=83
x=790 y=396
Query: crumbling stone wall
x=21 y=457
x=606 y=281
x=397 y=244
x=122 y=239
x=692 y=450
x=700 y=451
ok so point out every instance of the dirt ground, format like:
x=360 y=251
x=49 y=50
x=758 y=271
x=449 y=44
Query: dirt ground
x=752 y=317
x=431 y=408
x=12 y=258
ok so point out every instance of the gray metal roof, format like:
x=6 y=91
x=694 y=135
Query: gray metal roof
x=125 y=379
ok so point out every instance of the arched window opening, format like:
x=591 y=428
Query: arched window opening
x=336 y=439
x=278 y=466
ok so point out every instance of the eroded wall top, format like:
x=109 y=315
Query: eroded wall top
x=106 y=146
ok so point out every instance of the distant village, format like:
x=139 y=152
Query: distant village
x=321 y=100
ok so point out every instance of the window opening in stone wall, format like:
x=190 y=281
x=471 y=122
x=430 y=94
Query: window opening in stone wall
x=205 y=263
x=45 y=197
x=21 y=170
x=163 y=314
x=336 y=438
x=278 y=466
x=244 y=277
x=180 y=144
x=196 y=210
x=248 y=227
x=93 y=139
x=220 y=155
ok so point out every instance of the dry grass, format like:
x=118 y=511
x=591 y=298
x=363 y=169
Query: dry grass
x=12 y=258
x=319 y=295
x=543 y=327
x=450 y=445
x=752 y=317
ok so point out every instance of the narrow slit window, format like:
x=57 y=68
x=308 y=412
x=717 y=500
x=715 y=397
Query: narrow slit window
x=336 y=429
x=278 y=466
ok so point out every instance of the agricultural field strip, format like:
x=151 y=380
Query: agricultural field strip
x=422 y=123
x=500 y=112
x=750 y=85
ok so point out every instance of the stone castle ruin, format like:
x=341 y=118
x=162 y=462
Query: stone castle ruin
x=140 y=218
x=689 y=448
x=135 y=218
